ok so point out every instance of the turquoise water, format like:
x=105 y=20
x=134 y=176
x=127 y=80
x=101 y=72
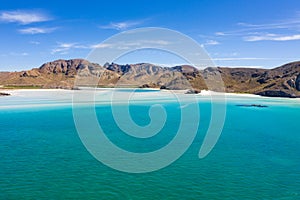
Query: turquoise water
x=256 y=157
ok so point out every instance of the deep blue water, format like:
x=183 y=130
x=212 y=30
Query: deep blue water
x=256 y=157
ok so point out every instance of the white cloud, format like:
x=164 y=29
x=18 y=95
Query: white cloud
x=67 y=45
x=59 y=50
x=211 y=42
x=272 y=37
x=279 y=25
x=36 y=30
x=63 y=48
x=121 y=25
x=219 y=33
x=254 y=32
x=249 y=58
x=23 y=17
x=14 y=54
x=242 y=58
x=132 y=44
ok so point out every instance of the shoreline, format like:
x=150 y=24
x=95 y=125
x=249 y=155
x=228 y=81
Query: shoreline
x=278 y=94
x=202 y=93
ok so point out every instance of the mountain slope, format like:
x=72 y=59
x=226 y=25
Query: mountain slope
x=283 y=81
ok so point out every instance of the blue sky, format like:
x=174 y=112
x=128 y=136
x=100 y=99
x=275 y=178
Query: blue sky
x=253 y=33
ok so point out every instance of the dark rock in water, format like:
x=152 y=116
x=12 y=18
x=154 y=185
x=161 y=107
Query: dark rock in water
x=252 y=105
x=276 y=93
x=192 y=91
x=164 y=87
x=145 y=86
x=4 y=94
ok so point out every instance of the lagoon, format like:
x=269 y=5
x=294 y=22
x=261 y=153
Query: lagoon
x=42 y=156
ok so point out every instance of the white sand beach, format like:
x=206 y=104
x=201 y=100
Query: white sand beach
x=59 y=97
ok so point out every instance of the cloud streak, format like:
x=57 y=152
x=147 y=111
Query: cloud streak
x=248 y=29
x=63 y=48
x=23 y=17
x=211 y=42
x=280 y=25
x=122 y=25
x=138 y=44
x=272 y=37
x=285 y=30
x=249 y=58
x=36 y=30
x=241 y=58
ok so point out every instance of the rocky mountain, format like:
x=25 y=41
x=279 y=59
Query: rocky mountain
x=282 y=81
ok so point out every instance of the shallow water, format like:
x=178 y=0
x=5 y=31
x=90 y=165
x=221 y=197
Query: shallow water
x=42 y=156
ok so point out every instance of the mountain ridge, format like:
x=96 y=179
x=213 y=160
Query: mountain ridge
x=282 y=81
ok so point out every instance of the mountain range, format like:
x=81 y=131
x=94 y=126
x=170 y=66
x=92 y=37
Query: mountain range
x=283 y=81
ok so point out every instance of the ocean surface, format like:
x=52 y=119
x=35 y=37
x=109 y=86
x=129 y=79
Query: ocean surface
x=42 y=157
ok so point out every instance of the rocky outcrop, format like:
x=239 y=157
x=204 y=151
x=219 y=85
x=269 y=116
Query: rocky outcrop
x=4 y=94
x=69 y=68
x=31 y=73
x=297 y=82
